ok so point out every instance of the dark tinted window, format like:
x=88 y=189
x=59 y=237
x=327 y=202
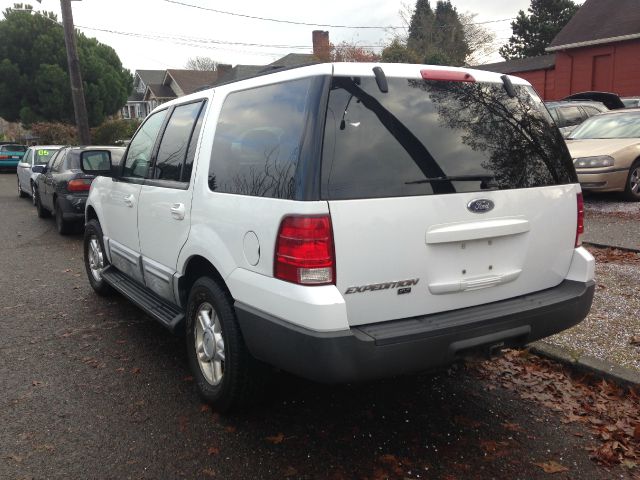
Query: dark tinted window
x=191 y=152
x=258 y=140
x=572 y=116
x=13 y=148
x=57 y=161
x=425 y=137
x=139 y=155
x=176 y=141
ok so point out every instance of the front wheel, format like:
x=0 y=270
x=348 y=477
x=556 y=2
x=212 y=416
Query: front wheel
x=632 y=187
x=95 y=260
x=226 y=374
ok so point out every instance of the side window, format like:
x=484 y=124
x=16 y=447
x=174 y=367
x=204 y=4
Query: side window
x=191 y=152
x=28 y=158
x=258 y=140
x=175 y=142
x=590 y=111
x=554 y=115
x=572 y=116
x=138 y=159
x=57 y=161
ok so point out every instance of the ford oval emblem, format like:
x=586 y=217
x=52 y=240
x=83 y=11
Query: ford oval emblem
x=482 y=205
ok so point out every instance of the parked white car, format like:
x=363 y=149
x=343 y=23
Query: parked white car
x=344 y=222
x=35 y=155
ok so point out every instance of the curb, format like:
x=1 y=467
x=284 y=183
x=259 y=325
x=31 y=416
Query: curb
x=604 y=245
x=624 y=377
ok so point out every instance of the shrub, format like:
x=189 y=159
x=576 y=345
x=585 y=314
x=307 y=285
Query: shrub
x=54 y=133
x=113 y=131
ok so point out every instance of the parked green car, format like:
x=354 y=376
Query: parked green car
x=11 y=154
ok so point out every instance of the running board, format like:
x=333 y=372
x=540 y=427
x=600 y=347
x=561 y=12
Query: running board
x=163 y=311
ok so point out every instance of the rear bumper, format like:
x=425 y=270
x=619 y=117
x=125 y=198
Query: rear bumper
x=9 y=164
x=414 y=344
x=73 y=207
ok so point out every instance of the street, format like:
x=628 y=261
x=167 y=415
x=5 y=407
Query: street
x=92 y=388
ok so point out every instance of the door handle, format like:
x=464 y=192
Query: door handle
x=128 y=200
x=177 y=211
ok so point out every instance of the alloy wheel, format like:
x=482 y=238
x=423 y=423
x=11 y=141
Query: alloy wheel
x=209 y=344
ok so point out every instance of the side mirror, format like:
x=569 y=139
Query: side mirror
x=96 y=162
x=39 y=168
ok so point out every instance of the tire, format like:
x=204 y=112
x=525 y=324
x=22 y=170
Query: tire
x=632 y=186
x=240 y=378
x=21 y=194
x=33 y=194
x=42 y=212
x=95 y=259
x=63 y=227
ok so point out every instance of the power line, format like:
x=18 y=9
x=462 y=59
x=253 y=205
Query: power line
x=308 y=24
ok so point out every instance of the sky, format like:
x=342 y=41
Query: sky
x=161 y=34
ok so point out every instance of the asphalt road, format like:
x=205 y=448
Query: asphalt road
x=92 y=388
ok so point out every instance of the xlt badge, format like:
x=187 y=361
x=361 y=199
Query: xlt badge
x=403 y=286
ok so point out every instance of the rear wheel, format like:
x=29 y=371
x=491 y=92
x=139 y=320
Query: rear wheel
x=226 y=374
x=95 y=260
x=42 y=212
x=632 y=187
x=64 y=227
x=21 y=194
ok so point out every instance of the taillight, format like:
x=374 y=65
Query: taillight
x=580 y=224
x=447 y=75
x=304 y=250
x=79 y=185
x=4 y=157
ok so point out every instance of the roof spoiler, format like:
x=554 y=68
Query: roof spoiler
x=610 y=100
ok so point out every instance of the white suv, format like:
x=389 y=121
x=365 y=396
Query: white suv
x=343 y=222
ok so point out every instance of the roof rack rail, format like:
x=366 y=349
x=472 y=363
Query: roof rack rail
x=269 y=69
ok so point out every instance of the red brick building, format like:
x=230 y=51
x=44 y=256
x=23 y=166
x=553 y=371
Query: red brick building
x=599 y=49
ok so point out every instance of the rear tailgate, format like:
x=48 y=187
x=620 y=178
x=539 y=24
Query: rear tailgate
x=404 y=257
x=443 y=193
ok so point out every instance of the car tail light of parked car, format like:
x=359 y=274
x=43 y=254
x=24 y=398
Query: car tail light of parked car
x=79 y=185
x=580 y=224
x=304 y=250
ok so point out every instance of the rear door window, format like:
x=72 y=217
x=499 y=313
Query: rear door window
x=433 y=137
x=572 y=116
x=176 y=143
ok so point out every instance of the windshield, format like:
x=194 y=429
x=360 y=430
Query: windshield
x=613 y=125
x=432 y=137
x=42 y=155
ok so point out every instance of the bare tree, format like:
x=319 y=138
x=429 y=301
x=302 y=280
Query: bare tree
x=201 y=63
x=480 y=39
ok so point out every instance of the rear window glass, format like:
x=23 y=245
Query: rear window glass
x=13 y=148
x=433 y=137
x=43 y=155
x=258 y=140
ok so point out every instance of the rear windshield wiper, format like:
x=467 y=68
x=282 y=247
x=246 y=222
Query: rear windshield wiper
x=453 y=178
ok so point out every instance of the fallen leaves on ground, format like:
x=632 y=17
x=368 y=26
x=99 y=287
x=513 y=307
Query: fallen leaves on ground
x=276 y=439
x=635 y=340
x=613 y=255
x=213 y=450
x=611 y=413
x=552 y=467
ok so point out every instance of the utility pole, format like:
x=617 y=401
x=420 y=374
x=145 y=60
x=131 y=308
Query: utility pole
x=77 y=92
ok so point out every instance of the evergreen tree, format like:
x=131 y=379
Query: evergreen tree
x=533 y=32
x=34 y=80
